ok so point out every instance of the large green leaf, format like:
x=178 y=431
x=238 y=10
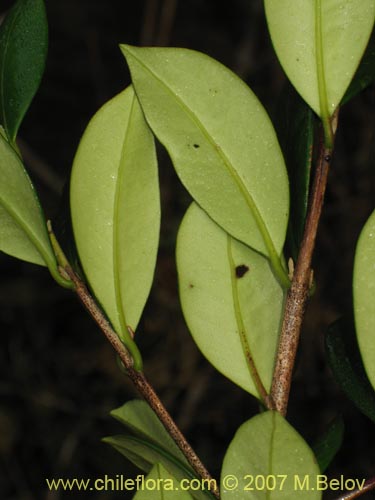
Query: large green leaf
x=364 y=296
x=23 y=51
x=159 y=484
x=268 y=460
x=115 y=210
x=221 y=142
x=23 y=231
x=231 y=300
x=320 y=44
x=295 y=129
x=147 y=443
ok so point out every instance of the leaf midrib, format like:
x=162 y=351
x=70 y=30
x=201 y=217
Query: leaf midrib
x=237 y=179
x=116 y=223
x=241 y=330
x=25 y=228
x=319 y=54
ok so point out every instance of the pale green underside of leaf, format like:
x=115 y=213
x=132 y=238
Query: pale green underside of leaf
x=220 y=139
x=345 y=26
x=23 y=232
x=161 y=485
x=364 y=296
x=209 y=292
x=115 y=208
x=267 y=445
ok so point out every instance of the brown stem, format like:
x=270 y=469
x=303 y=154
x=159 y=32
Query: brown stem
x=167 y=17
x=368 y=486
x=299 y=290
x=139 y=380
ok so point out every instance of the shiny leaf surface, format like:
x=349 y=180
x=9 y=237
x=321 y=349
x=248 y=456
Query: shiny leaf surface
x=23 y=51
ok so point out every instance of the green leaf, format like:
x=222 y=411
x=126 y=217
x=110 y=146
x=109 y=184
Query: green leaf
x=116 y=212
x=295 y=128
x=23 y=231
x=160 y=485
x=320 y=44
x=346 y=364
x=329 y=443
x=23 y=51
x=364 y=296
x=147 y=443
x=270 y=461
x=141 y=421
x=221 y=142
x=365 y=74
x=231 y=300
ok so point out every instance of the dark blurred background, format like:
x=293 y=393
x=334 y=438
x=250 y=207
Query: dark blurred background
x=58 y=377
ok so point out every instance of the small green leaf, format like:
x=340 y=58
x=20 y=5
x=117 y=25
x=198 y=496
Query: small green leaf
x=23 y=51
x=295 y=127
x=147 y=443
x=231 y=300
x=159 y=484
x=116 y=212
x=221 y=142
x=23 y=231
x=329 y=443
x=141 y=421
x=365 y=74
x=320 y=44
x=364 y=296
x=346 y=364
x=271 y=461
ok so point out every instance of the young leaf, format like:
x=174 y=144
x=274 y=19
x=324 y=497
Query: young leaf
x=220 y=140
x=23 y=232
x=364 y=294
x=295 y=128
x=23 y=51
x=365 y=74
x=141 y=421
x=116 y=212
x=147 y=443
x=268 y=449
x=320 y=44
x=347 y=367
x=160 y=485
x=329 y=443
x=231 y=301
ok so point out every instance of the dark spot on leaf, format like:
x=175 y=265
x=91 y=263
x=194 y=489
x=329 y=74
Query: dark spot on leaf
x=191 y=285
x=297 y=59
x=241 y=270
x=196 y=146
